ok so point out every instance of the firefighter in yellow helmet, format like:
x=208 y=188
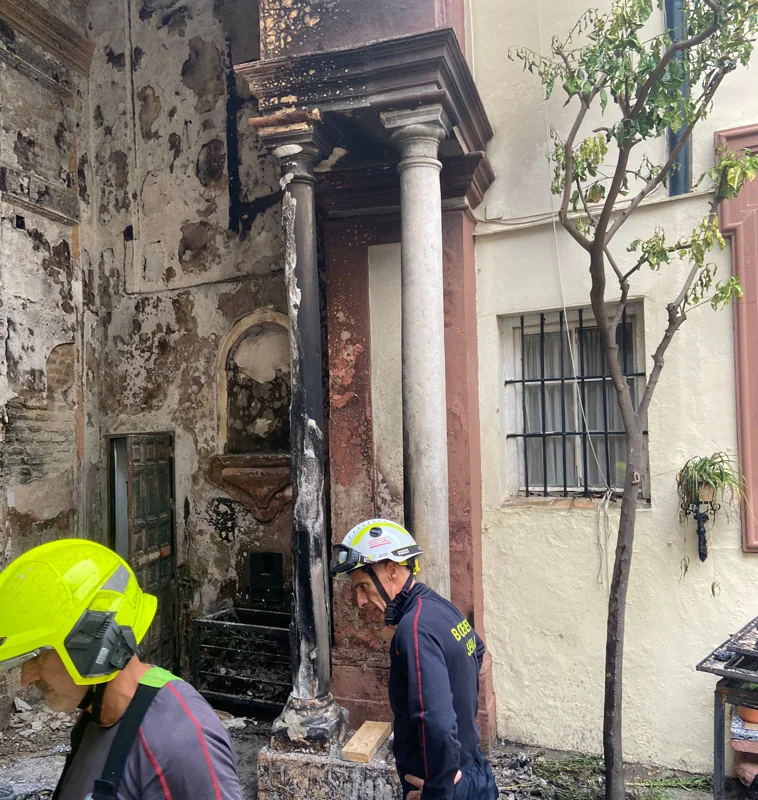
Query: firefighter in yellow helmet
x=72 y=616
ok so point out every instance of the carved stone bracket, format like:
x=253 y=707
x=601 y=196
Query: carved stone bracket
x=263 y=483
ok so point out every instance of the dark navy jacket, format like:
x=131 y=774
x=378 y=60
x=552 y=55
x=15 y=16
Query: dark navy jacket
x=434 y=690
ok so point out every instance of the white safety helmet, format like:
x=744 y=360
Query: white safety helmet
x=373 y=541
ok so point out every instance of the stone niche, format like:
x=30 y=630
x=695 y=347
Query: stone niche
x=258 y=391
x=253 y=465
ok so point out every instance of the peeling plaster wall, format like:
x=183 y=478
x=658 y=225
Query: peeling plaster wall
x=258 y=391
x=40 y=299
x=183 y=241
x=72 y=12
x=386 y=377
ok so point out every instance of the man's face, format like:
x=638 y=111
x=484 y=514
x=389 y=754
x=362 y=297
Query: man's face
x=367 y=598
x=49 y=675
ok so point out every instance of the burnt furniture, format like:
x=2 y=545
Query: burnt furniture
x=242 y=662
x=736 y=661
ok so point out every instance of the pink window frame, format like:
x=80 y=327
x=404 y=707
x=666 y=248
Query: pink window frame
x=739 y=223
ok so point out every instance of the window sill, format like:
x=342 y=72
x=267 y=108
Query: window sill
x=567 y=503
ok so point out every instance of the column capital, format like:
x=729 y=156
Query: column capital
x=417 y=133
x=298 y=148
x=431 y=115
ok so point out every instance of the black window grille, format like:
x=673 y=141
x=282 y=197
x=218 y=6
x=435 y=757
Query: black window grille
x=571 y=437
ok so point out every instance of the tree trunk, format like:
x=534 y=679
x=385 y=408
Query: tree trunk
x=614 y=648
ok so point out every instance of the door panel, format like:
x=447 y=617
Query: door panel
x=150 y=548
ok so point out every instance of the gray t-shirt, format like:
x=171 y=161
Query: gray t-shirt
x=182 y=751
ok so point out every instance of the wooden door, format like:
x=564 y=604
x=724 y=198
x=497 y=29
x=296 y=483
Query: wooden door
x=142 y=531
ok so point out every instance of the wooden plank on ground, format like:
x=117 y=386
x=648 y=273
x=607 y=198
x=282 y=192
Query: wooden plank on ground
x=363 y=746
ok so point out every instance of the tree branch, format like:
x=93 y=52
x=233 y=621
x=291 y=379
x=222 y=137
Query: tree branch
x=641 y=263
x=560 y=52
x=615 y=266
x=654 y=182
x=608 y=341
x=619 y=315
x=677 y=47
x=682 y=296
x=568 y=149
x=676 y=314
x=624 y=285
x=613 y=193
x=675 y=321
x=583 y=197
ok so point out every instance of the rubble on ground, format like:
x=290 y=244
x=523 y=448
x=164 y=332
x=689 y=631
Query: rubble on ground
x=514 y=775
x=32 y=751
x=35 y=729
x=34 y=745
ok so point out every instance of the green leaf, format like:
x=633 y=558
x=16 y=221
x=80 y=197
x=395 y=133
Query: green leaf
x=603 y=99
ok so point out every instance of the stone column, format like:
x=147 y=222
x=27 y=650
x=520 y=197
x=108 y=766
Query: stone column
x=417 y=135
x=311 y=717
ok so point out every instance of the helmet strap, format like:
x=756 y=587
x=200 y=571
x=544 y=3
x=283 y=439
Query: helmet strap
x=94 y=698
x=391 y=614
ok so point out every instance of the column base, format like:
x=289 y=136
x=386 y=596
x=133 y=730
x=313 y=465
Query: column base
x=313 y=724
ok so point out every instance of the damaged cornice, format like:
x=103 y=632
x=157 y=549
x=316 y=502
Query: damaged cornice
x=397 y=73
x=49 y=32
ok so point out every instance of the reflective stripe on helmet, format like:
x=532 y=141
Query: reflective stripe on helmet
x=378 y=523
x=18 y=661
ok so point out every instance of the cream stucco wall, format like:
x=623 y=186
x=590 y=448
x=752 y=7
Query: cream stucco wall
x=545 y=609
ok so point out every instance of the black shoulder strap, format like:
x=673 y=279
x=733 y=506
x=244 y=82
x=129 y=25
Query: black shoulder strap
x=77 y=734
x=106 y=787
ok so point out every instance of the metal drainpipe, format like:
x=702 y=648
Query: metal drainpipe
x=680 y=181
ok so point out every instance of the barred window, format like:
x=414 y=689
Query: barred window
x=565 y=427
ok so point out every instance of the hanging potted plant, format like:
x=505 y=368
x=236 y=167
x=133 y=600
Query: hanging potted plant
x=702 y=485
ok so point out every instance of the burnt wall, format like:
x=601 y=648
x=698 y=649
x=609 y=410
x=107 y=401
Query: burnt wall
x=182 y=242
x=294 y=27
x=40 y=297
x=72 y=12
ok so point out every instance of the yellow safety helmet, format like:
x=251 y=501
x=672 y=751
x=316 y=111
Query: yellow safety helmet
x=78 y=598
